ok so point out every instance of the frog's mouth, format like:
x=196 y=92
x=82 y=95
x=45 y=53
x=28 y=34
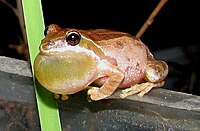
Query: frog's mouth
x=63 y=48
x=53 y=47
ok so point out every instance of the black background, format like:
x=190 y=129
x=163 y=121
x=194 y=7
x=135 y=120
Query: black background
x=176 y=25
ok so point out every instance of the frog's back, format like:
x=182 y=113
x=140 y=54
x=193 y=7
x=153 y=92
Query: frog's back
x=103 y=34
x=129 y=52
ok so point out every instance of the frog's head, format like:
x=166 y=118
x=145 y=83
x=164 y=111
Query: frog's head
x=59 y=65
x=60 y=40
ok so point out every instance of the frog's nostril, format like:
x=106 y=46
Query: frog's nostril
x=50 y=43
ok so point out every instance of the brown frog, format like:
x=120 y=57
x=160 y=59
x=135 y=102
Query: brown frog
x=101 y=60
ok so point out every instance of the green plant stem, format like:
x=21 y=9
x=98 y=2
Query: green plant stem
x=47 y=106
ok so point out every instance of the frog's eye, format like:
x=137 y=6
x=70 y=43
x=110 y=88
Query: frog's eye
x=73 y=38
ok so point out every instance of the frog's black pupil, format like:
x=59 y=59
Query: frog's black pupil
x=73 y=38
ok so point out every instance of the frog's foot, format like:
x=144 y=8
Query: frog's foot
x=96 y=94
x=63 y=97
x=141 y=89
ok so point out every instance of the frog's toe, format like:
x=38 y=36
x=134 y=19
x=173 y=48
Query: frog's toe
x=129 y=91
x=64 y=97
x=93 y=92
x=56 y=96
x=144 y=91
x=148 y=86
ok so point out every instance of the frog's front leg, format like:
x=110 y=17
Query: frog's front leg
x=113 y=78
x=156 y=72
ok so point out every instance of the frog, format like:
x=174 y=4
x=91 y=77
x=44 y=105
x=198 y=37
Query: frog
x=100 y=61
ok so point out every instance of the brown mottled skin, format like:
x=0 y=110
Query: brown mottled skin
x=129 y=56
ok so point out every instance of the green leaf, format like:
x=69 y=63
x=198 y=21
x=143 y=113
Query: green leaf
x=47 y=106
